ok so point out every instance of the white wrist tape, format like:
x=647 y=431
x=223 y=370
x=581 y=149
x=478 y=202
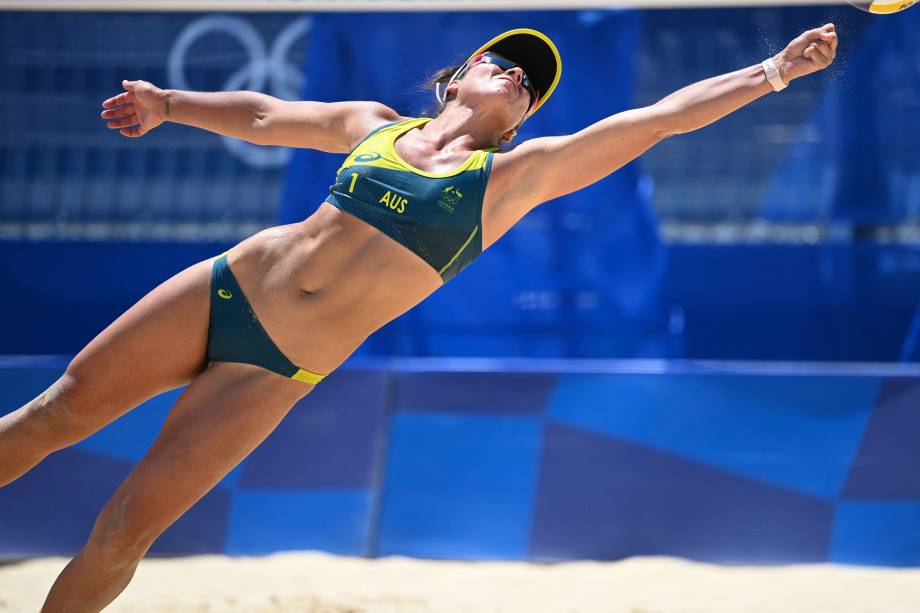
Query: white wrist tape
x=773 y=76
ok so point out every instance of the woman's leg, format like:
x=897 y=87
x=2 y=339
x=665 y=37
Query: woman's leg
x=158 y=344
x=217 y=421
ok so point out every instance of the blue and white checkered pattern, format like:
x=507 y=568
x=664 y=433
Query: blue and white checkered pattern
x=705 y=464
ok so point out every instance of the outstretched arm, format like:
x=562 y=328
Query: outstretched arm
x=250 y=116
x=545 y=168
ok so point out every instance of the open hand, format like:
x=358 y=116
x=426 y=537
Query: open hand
x=812 y=51
x=137 y=110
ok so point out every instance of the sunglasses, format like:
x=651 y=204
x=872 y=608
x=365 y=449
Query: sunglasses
x=490 y=57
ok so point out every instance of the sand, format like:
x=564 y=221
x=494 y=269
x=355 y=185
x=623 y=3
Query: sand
x=320 y=583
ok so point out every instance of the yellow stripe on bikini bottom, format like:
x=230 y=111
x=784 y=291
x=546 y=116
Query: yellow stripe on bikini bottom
x=307 y=377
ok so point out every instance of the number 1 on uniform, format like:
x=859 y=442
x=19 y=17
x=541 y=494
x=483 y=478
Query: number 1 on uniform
x=351 y=188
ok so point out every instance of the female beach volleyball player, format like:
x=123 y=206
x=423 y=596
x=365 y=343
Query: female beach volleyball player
x=253 y=330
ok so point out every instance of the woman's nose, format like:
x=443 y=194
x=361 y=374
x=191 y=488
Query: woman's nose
x=516 y=72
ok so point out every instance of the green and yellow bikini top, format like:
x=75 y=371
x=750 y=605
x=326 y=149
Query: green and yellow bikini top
x=436 y=216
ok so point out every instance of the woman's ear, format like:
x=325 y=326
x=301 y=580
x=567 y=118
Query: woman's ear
x=509 y=135
x=451 y=91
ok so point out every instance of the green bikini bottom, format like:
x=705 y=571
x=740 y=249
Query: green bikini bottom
x=235 y=334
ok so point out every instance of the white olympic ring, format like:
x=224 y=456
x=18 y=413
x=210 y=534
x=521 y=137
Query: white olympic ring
x=264 y=67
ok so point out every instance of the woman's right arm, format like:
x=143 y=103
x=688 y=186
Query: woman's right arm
x=251 y=116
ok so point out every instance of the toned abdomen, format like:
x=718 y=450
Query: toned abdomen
x=322 y=286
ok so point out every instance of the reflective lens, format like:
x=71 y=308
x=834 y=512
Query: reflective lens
x=490 y=57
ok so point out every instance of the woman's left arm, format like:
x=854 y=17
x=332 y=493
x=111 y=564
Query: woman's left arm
x=549 y=167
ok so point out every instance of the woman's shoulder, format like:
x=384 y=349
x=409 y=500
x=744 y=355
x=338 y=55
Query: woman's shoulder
x=373 y=117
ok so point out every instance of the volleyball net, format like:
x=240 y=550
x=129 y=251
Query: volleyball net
x=787 y=169
x=383 y=5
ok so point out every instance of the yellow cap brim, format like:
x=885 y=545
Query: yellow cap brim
x=535 y=53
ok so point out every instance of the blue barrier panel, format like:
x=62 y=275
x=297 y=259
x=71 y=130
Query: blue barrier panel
x=539 y=460
x=308 y=486
x=728 y=302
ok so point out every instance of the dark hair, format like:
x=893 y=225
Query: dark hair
x=441 y=76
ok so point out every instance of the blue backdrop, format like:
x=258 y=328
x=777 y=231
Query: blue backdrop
x=588 y=276
x=504 y=460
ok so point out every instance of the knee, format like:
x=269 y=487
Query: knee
x=58 y=413
x=117 y=539
x=114 y=553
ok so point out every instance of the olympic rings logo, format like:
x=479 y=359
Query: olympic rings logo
x=266 y=67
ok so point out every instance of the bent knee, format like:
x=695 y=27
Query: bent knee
x=52 y=409
x=115 y=550
x=62 y=411
x=119 y=537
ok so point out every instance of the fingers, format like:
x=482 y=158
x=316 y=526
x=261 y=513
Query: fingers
x=820 y=45
x=121 y=111
x=826 y=33
x=821 y=54
x=126 y=96
x=819 y=33
x=812 y=54
x=121 y=123
x=121 y=117
x=119 y=100
x=826 y=50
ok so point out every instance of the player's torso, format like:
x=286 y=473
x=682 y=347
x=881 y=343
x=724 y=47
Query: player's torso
x=321 y=286
x=437 y=216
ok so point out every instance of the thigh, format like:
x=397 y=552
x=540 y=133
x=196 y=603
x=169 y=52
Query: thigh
x=158 y=344
x=217 y=421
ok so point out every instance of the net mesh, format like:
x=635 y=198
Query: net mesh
x=63 y=175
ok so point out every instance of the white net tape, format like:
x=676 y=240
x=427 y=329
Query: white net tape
x=377 y=5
